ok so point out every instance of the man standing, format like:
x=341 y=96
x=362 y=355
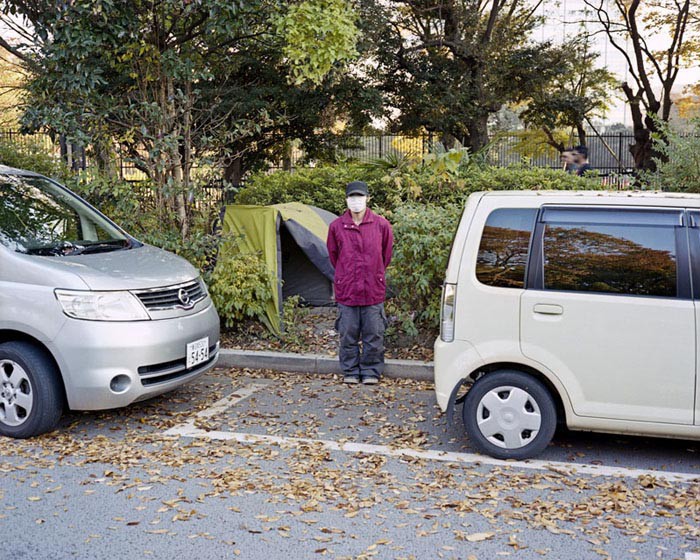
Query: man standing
x=359 y=245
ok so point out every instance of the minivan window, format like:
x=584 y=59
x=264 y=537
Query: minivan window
x=40 y=218
x=630 y=253
x=503 y=251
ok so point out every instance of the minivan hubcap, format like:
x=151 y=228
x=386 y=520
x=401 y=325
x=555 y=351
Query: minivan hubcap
x=15 y=394
x=508 y=417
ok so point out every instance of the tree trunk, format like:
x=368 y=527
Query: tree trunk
x=642 y=126
x=287 y=156
x=448 y=140
x=233 y=171
x=642 y=151
x=581 y=132
x=478 y=137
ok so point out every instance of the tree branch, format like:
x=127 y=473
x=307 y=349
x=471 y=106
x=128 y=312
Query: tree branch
x=14 y=51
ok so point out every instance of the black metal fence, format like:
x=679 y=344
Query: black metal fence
x=608 y=153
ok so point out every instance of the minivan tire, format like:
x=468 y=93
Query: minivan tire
x=31 y=393
x=509 y=414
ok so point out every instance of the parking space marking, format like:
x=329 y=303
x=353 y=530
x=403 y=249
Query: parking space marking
x=218 y=407
x=692 y=556
x=189 y=429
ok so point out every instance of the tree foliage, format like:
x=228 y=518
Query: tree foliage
x=576 y=91
x=651 y=72
x=678 y=167
x=317 y=34
x=448 y=66
x=154 y=79
x=11 y=78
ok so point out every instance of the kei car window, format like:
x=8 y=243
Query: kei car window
x=628 y=253
x=38 y=217
x=504 y=246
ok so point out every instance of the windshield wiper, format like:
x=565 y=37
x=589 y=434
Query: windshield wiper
x=46 y=251
x=68 y=249
x=105 y=247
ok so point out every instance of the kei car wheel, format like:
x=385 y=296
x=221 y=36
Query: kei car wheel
x=509 y=415
x=31 y=395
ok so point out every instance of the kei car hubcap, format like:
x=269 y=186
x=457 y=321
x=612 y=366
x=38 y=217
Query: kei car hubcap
x=508 y=417
x=16 y=398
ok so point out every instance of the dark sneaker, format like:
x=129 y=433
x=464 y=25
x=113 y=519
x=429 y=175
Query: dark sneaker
x=370 y=380
x=351 y=379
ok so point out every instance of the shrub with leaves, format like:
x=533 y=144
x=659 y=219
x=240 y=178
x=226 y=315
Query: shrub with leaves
x=291 y=319
x=422 y=241
x=239 y=287
x=446 y=178
x=318 y=34
x=678 y=168
x=522 y=177
x=116 y=198
x=32 y=156
x=323 y=187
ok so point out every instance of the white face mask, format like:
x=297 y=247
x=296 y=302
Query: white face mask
x=356 y=203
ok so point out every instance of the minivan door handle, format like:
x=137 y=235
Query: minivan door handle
x=548 y=309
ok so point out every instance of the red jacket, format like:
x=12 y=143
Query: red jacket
x=360 y=255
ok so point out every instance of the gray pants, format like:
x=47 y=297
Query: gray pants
x=366 y=323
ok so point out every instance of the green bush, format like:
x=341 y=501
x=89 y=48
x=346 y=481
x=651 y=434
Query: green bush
x=446 y=189
x=679 y=168
x=115 y=198
x=521 y=177
x=393 y=183
x=422 y=241
x=323 y=187
x=239 y=287
x=32 y=156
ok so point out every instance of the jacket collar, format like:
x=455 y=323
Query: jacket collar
x=347 y=217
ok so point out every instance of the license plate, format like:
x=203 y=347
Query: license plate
x=197 y=352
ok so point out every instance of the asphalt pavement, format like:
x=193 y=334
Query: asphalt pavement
x=260 y=464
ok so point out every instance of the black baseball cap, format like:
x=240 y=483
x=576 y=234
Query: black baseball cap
x=356 y=187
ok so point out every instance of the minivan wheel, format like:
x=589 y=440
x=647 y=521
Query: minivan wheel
x=509 y=415
x=31 y=395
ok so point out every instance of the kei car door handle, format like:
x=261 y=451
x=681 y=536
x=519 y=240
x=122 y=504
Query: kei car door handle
x=548 y=309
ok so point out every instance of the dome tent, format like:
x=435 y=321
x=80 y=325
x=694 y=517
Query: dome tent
x=291 y=238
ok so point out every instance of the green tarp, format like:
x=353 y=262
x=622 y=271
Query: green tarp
x=292 y=241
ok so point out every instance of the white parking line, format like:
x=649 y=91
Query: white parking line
x=190 y=430
x=219 y=406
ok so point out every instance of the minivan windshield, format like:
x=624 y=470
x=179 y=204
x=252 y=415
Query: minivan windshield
x=37 y=217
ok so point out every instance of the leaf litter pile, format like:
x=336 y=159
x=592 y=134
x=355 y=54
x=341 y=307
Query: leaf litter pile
x=337 y=504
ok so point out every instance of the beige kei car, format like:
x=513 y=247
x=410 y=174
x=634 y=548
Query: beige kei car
x=578 y=308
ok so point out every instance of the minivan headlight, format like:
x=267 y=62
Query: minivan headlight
x=101 y=306
x=447 y=312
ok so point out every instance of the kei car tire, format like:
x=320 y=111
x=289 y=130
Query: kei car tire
x=31 y=393
x=509 y=415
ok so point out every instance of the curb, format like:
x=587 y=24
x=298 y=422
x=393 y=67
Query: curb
x=316 y=363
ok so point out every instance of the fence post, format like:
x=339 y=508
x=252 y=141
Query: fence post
x=381 y=147
x=619 y=152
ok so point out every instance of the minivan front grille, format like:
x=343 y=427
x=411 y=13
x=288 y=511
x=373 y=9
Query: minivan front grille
x=167 y=371
x=181 y=296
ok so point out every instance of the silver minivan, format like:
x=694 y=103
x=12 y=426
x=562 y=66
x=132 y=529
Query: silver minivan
x=90 y=318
